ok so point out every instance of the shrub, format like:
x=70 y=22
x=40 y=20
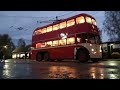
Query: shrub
x=115 y=55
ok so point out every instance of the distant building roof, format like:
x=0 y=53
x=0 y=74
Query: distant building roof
x=115 y=42
x=20 y=49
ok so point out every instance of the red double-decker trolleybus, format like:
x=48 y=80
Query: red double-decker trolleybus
x=75 y=38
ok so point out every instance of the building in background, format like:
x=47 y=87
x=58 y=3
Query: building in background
x=21 y=53
x=109 y=48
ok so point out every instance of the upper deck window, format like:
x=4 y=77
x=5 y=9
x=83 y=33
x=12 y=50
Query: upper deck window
x=88 y=20
x=39 y=31
x=55 y=27
x=94 y=22
x=80 y=20
x=62 y=25
x=43 y=30
x=70 y=22
x=49 y=29
x=35 y=33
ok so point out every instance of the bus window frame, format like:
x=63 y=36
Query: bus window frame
x=90 y=40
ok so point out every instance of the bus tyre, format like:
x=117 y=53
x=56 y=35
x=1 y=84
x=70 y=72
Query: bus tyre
x=46 y=56
x=59 y=60
x=82 y=56
x=39 y=57
x=95 y=60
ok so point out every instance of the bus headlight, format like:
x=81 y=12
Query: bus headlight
x=100 y=50
x=95 y=52
x=92 y=49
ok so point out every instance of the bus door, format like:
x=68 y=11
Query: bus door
x=82 y=38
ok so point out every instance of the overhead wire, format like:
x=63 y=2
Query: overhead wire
x=63 y=14
x=22 y=16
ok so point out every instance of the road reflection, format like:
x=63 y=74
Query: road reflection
x=96 y=73
x=104 y=73
x=66 y=72
x=62 y=72
x=15 y=70
x=20 y=69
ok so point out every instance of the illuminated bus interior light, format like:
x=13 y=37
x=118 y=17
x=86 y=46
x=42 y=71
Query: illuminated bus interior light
x=38 y=45
x=49 y=29
x=71 y=40
x=94 y=22
x=70 y=23
x=78 y=39
x=39 y=31
x=88 y=20
x=62 y=25
x=93 y=26
x=55 y=43
x=43 y=30
x=55 y=27
x=62 y=42
x=49 y=43
x=36 y=33
x=80 y=20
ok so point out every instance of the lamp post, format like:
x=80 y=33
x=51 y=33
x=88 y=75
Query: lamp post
x=5 y=51
x=5 y=46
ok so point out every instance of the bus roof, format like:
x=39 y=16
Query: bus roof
x=57 y=22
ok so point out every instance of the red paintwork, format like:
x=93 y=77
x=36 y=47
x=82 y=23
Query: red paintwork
x=58 y=52
x=63 y=52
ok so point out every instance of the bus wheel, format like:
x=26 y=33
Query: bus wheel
x=59 y=60
x=51 y=60
x=82 y=56
x=95 y=60
x=39 y=57
x=46 y=56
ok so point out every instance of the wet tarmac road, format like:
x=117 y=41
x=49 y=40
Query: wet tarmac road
x=27 y=69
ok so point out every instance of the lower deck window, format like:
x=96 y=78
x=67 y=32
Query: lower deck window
x=62 y=42
x=71 y=40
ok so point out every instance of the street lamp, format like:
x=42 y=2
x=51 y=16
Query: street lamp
x=5 y=46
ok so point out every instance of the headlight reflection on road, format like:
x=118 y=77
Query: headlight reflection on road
x=113 y=73
x=112 y=64
x=97 y=73
x=6 y=73
x=62 y=72
x=93 y=72
x=8 y=70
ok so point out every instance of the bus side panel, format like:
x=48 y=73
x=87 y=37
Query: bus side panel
x=62 y=53
x=34 y=53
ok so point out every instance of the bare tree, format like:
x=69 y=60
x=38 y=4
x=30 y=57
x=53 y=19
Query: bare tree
x=21 y=42
x=111 y=25
x=6 y=44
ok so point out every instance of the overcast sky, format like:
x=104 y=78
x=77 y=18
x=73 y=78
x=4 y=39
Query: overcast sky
x=11 y=21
